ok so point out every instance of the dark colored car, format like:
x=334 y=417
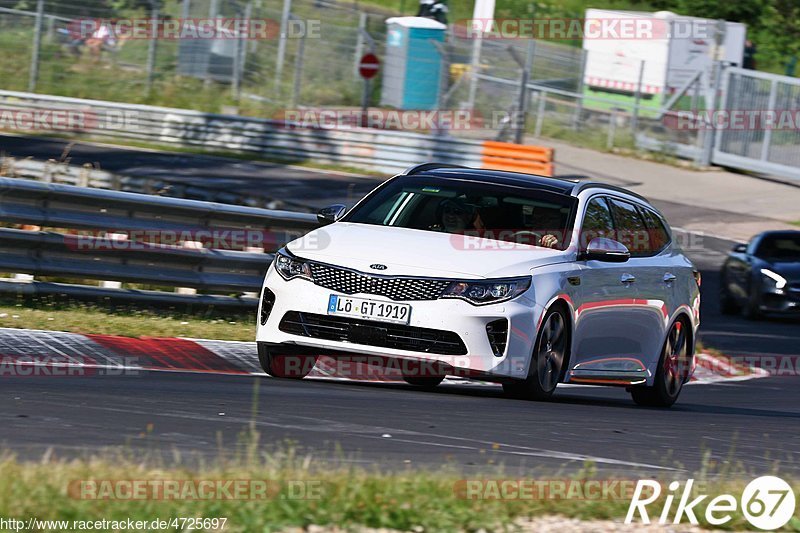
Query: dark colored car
x=762 y=276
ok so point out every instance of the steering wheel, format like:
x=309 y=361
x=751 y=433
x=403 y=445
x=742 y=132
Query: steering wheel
x=536 y=234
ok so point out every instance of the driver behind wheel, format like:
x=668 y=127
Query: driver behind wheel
x=457 y=216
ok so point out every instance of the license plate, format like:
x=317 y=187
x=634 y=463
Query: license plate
x=369 y=309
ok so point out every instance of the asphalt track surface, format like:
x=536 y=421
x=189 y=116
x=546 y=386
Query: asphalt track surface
x=749 y=425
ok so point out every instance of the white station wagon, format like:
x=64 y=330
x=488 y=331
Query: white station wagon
x=512 y=278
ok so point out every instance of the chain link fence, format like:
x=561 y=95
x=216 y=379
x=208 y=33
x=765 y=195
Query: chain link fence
x=515 y=87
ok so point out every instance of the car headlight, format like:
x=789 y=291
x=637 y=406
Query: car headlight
x=777 y=279
x=291 y=267
x=487 y=291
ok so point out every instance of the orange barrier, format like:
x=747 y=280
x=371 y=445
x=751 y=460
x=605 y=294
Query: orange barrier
x=517 y=158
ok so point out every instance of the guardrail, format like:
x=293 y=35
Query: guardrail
x=135 y=238
x=387 y=151
x=87 y=176
x=381 y=150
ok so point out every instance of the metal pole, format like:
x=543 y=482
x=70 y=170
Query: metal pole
x=710 y=132
x=576 y=118
x=522 y=99
x=241 y=54
x=473 y=70
x=638 y=99
x=612 y=129
x=185 y=10
x=362 y=29
x=539 y=115
x=365 y=102
x=151 y=50
x=37 y=46
x=213 y=8
x=767 y=139
x=298 y=71
x=287 y=9
x=51 y=22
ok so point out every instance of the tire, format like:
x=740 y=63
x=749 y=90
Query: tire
x=285 y=366
x=427 y=382
x=550 y=354
x=751 y=309
x=727 y=305
x=671 y=372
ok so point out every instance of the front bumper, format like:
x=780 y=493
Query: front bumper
x=781 y=301
x=467 y=321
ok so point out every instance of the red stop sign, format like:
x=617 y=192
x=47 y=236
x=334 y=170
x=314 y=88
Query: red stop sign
x=368 y=66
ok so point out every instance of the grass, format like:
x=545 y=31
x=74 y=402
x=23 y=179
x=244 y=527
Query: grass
x=81 y=318
x=305 y=491
x=795 y=223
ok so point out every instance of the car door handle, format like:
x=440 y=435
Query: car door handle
x=627 y=278
x=669 y=277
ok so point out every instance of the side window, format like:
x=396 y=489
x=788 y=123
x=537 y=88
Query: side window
x=597 y=222
x=631 y=230
x=657 y=231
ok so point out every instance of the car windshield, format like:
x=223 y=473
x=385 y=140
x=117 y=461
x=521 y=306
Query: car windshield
x=780 y=247
x=520 y=214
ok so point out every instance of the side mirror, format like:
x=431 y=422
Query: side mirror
x=740 y=248
x=608 y=250
x=330 y=214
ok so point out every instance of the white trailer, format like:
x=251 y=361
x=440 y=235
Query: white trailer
x=656 y=62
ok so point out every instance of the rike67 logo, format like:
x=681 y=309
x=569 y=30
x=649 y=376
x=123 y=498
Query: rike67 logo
x=767 y=502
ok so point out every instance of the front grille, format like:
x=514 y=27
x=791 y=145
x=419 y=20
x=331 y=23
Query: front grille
x=396 y=288
x=372 y=333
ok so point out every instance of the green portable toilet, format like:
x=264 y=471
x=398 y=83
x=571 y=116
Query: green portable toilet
x=412 y=65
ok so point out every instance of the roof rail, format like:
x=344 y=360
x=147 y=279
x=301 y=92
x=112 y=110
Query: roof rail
x=416 y=169
x=581 y=185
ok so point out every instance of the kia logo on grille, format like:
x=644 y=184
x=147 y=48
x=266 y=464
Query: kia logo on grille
x=378 y=266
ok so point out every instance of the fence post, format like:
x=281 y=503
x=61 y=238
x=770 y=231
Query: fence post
x=51 y=22
x=240 y=54
x=637 y=100
x=475 y=65
x=612 y=130
x=540 y=114
x=362 y=29
x=287 y=9
x=151 y=49
x=767 y=140
x=710 y=131
x=576 y=118
x=298 y=70
x=37 y=46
